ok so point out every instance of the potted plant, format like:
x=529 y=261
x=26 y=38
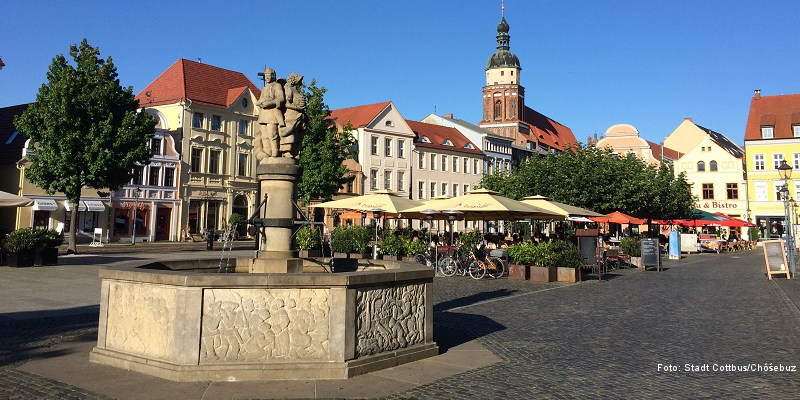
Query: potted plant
x=393 y=247
x=46 y=252
x=341 y=244
x=567 y=261
x=21 y=245
x=415 y=246
x=542 y=258
x=520 y=255
x=309 y=241
x=360 y=236
x=632 y=246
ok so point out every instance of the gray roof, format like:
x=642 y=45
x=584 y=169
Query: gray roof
x=723 y=141
x=476 y=128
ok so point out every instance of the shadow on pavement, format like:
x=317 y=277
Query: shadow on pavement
x=34 y=334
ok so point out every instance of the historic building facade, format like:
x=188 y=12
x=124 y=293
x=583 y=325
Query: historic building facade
x=505 y=112
x=772 y=135
x=624 y=139
x=496 y=148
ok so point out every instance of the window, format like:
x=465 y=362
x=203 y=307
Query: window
x=213 y=161
x=242 y=164
x=389 y=123
x=421 y=160
x=155 y=147
x=433 y=189
x=759 y=162
x=761 y=190
x=373 y=179
x=444 y=162
x=455 y=189
x=349 y=187
x=733 y=191
x=475 y=167
x=712 y=166
x=216 y=122
x=243 y=127
x=796 y=130
x=196 y=159
x=197 y=120
x=701 y=166
x=387 y=179
x=153 y=179
x=796 y=159
x=433 y=162
x=169 y=177
x=779 y=190
x=138 y=175
x=708 y=191
x=466 y=189
x=401 y=178
x=497 y=106
x=766 y=132
x=466 y=165
x=777 y=158
x=401 y=148
x=387 y=147
x=374 y=140
x=420 y=190
x=444 y=189
x=455 y=164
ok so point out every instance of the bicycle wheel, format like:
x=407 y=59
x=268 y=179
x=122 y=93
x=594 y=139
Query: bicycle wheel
x=421 y=258
x=495 y=267
x=448 y=266
x=477 y=270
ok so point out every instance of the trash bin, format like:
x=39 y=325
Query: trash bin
x=210 y=240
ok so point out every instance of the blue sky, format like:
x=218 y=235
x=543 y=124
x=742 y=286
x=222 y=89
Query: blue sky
x=587 y=64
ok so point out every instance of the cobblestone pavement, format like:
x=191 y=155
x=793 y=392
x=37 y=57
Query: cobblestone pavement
x=590 y=340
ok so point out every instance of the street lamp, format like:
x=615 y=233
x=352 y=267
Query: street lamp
x=785 y=172
x=376 y=213
x=451 y=216
x=136 y=193
x=429 y=213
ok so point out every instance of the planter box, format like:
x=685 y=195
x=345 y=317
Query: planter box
x=21 y=259
x=519 y=272
x=310 y=253
x=568 y=274
x=392 y=258
x=542 y=274
x=636 y=261
x=359 y=256
x=46 y=257
x=339 y=255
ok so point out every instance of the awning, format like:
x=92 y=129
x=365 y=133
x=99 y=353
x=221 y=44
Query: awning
x=68 y=206
x=44 y=205
x=94 y=205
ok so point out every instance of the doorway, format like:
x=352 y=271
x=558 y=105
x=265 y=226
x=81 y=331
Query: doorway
x=163 y=223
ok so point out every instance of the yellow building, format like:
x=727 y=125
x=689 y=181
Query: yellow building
x=772 y=136
x=713 y=165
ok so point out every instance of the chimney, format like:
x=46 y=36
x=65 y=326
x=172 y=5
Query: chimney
x=757 y=93
x=595 y=137
x=688 y=119
x=449 y=116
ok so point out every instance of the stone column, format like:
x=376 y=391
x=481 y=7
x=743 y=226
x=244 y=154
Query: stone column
x=277 y=177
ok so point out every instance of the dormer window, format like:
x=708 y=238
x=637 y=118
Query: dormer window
x=767 y=132
x=796 y=130
x=389 y=123
x=424 y=139
x=447 y=143
x=469 y=146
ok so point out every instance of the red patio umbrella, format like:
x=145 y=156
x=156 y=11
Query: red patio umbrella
x=617 y=217
x=733 y=222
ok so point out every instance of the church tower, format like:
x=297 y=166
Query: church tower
x=503 y=96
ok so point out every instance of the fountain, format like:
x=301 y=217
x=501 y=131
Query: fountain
x=275 y=317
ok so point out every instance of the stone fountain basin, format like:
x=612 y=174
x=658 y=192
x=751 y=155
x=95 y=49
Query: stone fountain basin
x=183 y=321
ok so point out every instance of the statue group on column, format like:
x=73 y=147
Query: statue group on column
x=281 y=118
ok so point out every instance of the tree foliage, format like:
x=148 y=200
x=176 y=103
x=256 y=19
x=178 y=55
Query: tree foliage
x=323 y=151
x=599 y=180
x=85 y=127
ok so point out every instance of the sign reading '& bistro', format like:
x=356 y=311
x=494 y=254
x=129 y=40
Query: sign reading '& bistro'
x=715 y=204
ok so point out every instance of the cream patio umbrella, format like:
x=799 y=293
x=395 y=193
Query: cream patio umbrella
x=388 y=202
x=559 y=208
x=12 y=200
x=484 y=204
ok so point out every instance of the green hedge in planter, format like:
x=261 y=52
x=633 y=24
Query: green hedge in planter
x=394 y=245
x=361 y=237
x=416 y=246
x=631 y=246
x=546 y=254
x=308 y=238
x=340 y=240
x=26 y=239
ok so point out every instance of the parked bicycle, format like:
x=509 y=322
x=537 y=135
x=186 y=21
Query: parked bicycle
x=427 y=257
x=450 y=265
x=482 y=265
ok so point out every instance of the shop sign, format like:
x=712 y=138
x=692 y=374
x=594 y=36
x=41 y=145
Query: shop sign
x=715 y=204
x=131 y=205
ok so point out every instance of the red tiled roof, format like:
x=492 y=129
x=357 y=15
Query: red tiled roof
x=546 y=130
x=11 y=152
x=437 y=134
x=2 y=64
x=668 y=153
x=202 y=83
x=359 y=116
x=777 y=111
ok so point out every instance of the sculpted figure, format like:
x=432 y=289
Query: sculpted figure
x=295 y=105
x=270 y=117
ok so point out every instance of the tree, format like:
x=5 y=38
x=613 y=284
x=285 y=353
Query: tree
x=323 y=151
x=86 y=129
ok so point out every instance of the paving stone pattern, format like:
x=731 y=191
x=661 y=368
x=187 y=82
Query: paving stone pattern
x=585 y=341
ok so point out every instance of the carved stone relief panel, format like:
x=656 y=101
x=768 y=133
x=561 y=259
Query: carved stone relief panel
x=257 y=325
x=389 y=318
x=139 y=319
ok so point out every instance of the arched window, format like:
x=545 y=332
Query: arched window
x=701 y=166
x=497 y=107
x=712 y=166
